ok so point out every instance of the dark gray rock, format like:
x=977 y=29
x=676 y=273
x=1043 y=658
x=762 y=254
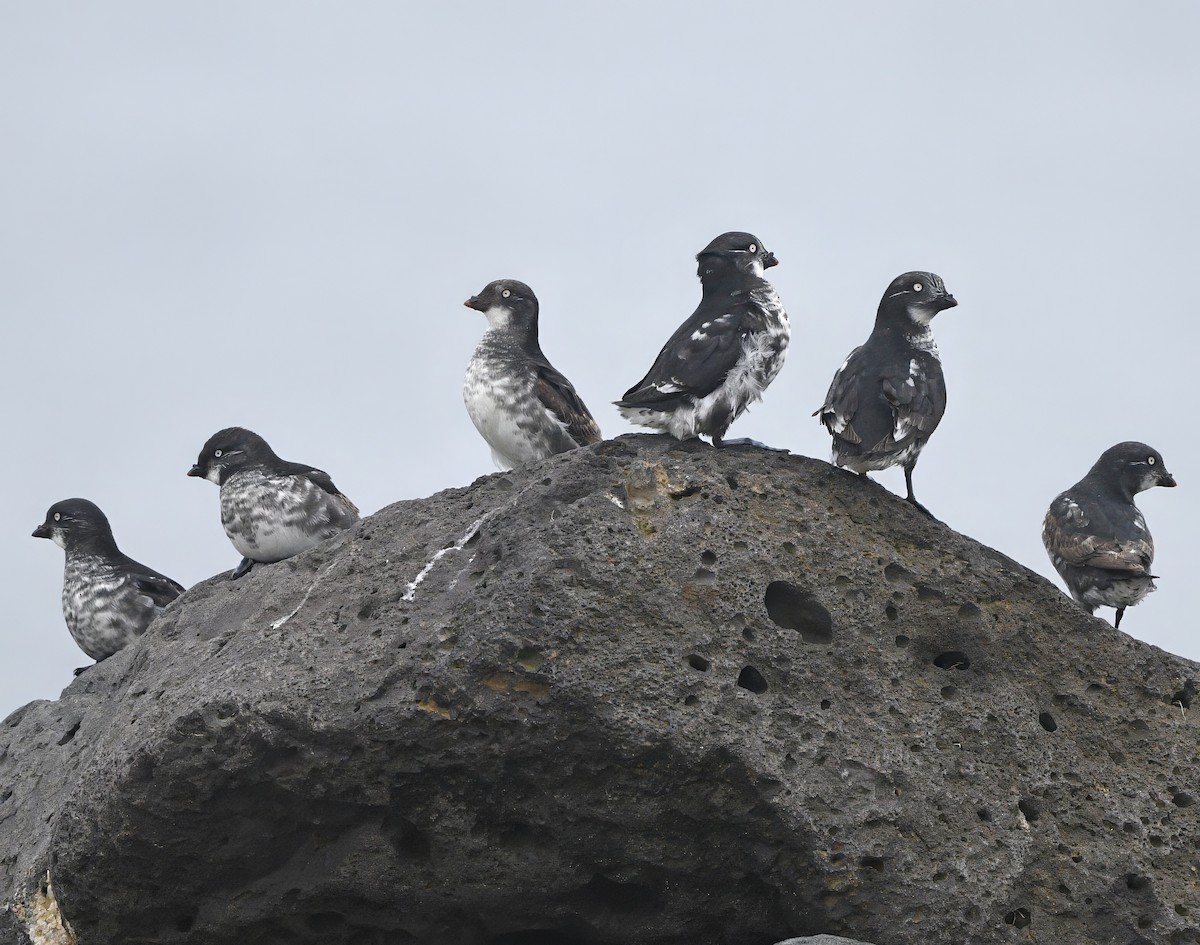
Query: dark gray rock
x=651 y=693
x=822 y=940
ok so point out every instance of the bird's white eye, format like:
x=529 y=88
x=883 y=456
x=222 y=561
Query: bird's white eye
x=58 y=516
x=916 y=287
x=1150 y=460
x=506 y=293
x=217 y=453
x=753 y=248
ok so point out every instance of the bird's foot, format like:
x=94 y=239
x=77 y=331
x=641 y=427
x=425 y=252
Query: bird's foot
x=911 y=500
x=83 y=669
x=746 y=441
x=241 y=570
x=1120 y=614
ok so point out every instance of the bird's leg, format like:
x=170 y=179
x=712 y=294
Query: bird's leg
x=908 y=471
x=83 y=669
x=718 y=440
x=242 y=569
x=1120 y=613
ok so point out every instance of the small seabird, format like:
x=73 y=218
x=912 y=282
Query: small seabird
x=1096 y=536
x=722 y=358
x=107 y=597
x=888 y=397
x=271 y=509
x=520 y=405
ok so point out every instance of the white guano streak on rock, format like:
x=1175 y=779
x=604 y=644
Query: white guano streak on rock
x=303 y=600
x=44 y=923
x=411 y=593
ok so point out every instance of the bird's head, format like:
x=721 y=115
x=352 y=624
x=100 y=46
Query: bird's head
x=73 y=522
x=1132 y=467
x=507 y=303
x=921 y=295
x=228 y=451
x=743 y=252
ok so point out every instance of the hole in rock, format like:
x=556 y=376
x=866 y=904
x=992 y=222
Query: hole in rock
x=969 y=610
x=896 y=574
x=1135 y=881
x=1029 y=809
x=732 y=480
x=611 y=896
x=949 y=692
x=891 y=612
x=690 y=700
x=750 y=678
x=952 y=659
x=794 y=609
x=1186 y=695
x=1018 y=918
x=698 y=662
x=825 y=703
x=872 y=863
x=984 y=814
x=788 y=547
x=925 y=592
x=69 y=734
x=1183 y=799
x=1046 y=721
x=708 y=558
x=901 y=640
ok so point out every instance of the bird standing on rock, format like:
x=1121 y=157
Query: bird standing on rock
x=108 y=599
x=271 y=509
x=1096 y=536
x=889 y=395
x=522 y=406
x=725 y=355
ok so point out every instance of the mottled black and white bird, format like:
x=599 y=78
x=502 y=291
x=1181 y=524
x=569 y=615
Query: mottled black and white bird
x=108 y=599
x=1096 y=536
x=271 y=509
x=520 y=405
x=889 y=395
x=722 y=358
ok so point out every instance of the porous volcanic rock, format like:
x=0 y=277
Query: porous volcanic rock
x=644 y=692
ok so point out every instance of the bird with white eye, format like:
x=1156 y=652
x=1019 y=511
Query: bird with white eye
x=522 y=407
x=108 y=599
x=271 y=509
x=889 y=395
x=1096 y=535
x=723 y=357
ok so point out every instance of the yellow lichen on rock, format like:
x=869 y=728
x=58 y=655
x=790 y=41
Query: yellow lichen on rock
x=43 y=921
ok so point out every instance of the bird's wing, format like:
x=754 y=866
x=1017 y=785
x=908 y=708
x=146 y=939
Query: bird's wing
x=159 y=588
x=320 y=478
x=917 y=397
x=559 y=397
x=841 y=403
x=701 y=353
x=1083 y=535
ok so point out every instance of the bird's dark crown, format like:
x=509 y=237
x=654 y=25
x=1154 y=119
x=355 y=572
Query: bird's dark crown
x=505 y=293
x=77 y=521
x=734 y=251
x=917 y=295
x=231 y=449
x=1130 y=467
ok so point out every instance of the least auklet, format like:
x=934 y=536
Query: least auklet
x=522 y=406
x=889 y=395
x=271 y=509
x=108 y=599
x=1096 y=536
x=722 y=358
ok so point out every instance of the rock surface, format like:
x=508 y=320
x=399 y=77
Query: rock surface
x=643 y=692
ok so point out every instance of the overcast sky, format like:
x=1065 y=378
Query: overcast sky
x=269 y=214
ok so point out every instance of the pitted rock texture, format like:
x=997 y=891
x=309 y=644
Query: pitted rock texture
x=643 y=692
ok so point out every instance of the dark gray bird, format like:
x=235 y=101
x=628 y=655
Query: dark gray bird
x=888 y=397
x=107 y=597
x=520 y=405
x=271 y=509
x=722 y=358
x=1096 y=536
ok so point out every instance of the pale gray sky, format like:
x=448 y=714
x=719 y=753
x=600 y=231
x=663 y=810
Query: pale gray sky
x=269 y=213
